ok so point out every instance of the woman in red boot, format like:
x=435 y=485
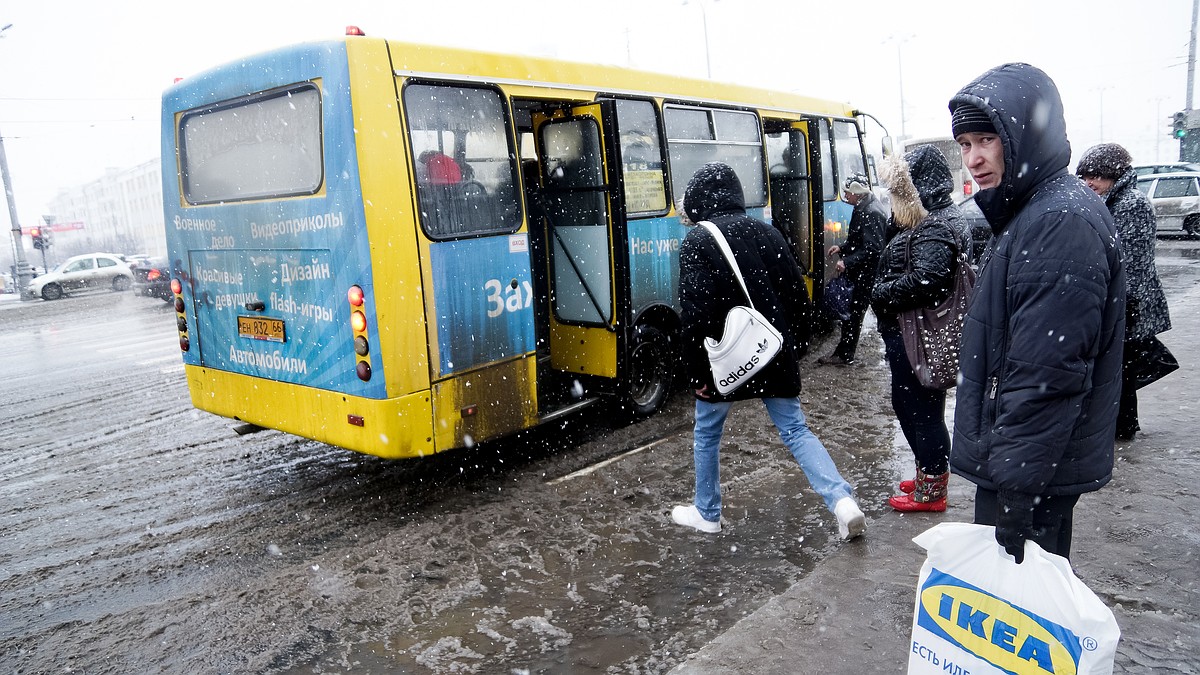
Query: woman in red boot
x=917 y=269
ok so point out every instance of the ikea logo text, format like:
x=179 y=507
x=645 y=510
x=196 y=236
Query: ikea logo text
x=1010 y=638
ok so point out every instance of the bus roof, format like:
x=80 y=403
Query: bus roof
x=411 y=59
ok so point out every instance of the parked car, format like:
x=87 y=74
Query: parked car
x=1165 y=167
x=1176 y=201
x=136 y=259
x=981 y=230
x=83 y=272
x=152 y=278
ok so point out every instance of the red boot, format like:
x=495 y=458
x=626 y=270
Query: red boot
x=929 y=494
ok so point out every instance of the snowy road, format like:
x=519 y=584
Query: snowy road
x=140 y=535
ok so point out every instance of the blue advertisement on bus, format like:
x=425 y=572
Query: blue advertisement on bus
x=266 y=281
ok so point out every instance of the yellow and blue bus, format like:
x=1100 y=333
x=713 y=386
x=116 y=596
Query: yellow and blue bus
x=402 y=249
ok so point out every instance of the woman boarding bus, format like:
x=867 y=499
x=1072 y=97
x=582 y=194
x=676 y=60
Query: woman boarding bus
x=403 y=249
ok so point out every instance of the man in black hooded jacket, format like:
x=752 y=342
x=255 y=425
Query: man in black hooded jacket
x=1036 y=408
x=707 y=291
x=859 y=258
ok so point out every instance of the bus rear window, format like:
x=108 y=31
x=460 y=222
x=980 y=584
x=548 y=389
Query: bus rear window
x=266 y=145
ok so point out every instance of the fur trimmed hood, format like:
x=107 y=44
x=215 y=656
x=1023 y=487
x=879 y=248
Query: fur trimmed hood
x=907 y=210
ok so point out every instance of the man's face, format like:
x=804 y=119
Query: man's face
x=983 y=155
x=851 y=198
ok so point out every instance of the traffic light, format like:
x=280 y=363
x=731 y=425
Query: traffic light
x=1179 y=125
x=39 y=242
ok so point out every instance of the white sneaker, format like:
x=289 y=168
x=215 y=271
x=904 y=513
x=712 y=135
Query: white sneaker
x=851 y=521
x=690 y=516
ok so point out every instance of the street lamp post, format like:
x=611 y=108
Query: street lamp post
x=704 y=20
x=900 y=40
x=24 y=274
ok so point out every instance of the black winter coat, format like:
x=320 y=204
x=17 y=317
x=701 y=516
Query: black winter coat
x=934 y=244
x=708 y=289
x=864 y=242
x=1037 y=402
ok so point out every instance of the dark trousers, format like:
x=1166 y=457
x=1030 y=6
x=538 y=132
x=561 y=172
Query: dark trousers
x=920 y=410
x=1051 y=518
x=1127 y=413
x=860 y=300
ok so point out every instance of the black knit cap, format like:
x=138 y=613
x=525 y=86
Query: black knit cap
x=1107 y=160
x=967 y=119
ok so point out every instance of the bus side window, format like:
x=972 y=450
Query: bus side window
x=463 y=159
x=848 y=148
x=824 y=142
x=698 y=135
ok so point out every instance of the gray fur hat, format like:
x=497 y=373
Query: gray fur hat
x=1107 y=160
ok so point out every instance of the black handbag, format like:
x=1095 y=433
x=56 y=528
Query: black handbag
x=838 y=295
x=1148 y=360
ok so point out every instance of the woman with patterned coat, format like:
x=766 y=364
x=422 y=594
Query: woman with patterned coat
x=1107 y=169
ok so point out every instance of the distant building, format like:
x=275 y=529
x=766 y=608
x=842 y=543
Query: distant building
x=121 y=212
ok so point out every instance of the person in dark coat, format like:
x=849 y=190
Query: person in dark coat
x=918 y=269
x=1108 y=169
x=859 y=257
x=707 y=291
x=1040 y=363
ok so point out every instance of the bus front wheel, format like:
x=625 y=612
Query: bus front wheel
x=651 y=370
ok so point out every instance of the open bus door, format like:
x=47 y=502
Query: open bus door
x=795 y=208
x=585 y=267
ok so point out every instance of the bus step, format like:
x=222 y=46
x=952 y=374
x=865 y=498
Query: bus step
x=567 y=410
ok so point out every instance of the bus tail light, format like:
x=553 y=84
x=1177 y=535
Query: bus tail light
x=358 y=326
x=181 y=323
x=966 y=187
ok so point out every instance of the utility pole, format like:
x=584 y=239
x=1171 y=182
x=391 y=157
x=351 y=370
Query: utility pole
x=1192 y=55
x=1189 y=145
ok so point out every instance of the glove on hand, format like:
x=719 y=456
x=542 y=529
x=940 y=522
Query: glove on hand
x=1014 y=522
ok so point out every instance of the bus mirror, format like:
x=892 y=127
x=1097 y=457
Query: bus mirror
x=888 y=149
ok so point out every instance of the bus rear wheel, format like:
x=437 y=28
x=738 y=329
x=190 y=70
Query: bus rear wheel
x=651 y=372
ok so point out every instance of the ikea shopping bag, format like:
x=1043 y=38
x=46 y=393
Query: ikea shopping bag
x=978 y=611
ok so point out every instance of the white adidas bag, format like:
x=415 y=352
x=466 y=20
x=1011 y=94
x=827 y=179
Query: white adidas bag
x=978 y=611
x=748 y=343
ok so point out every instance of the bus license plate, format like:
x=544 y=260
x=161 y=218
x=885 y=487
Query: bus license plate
x=260 y=328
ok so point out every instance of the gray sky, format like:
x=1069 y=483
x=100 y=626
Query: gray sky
x=80 y=81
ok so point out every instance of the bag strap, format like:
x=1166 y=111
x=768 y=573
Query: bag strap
x=724 y=246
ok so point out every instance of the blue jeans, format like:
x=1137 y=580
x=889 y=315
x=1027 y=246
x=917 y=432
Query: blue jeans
x=804 y=445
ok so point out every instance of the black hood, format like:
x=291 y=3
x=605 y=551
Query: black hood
x=714 y=190
x=1025 y=107
x=931 y=175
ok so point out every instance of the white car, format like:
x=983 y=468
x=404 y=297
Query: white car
x=82 y=272
x=1165 y=167
x=1176 y=201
